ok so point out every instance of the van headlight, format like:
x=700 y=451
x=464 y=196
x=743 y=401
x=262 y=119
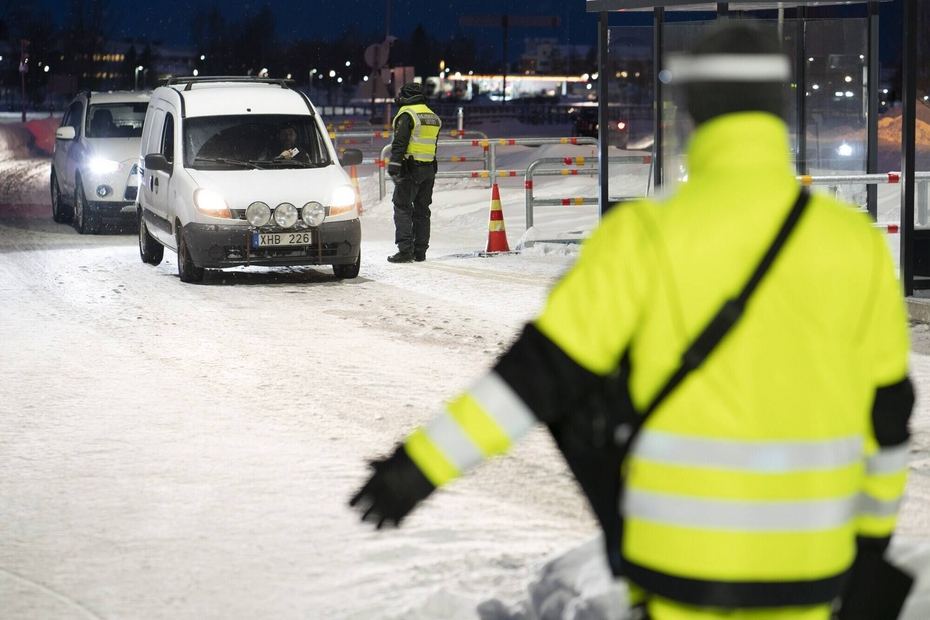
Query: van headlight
x=258 y=214
x=313 y=214
x=285 y=215
x=99 y=165
x=211 y=203
x=342 y=201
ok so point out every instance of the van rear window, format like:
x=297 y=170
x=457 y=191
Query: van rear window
x=256 y=141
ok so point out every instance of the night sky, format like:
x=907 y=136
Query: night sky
x=169 y=20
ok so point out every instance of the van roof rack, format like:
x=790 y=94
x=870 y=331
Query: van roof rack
x=191 y=80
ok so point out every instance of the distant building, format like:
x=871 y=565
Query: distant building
x=546 y=56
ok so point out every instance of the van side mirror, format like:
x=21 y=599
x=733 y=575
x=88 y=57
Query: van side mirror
x=64 y=133
x=351 y=157
x=157 y=161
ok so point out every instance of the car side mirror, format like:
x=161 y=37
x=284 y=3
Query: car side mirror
x=351 y=157
x=157 y=161
x=65 y=133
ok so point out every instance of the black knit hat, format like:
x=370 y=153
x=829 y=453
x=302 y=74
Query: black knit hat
x=736 y=68
x=410 y=89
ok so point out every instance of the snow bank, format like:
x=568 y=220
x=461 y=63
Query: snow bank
x=577 y=585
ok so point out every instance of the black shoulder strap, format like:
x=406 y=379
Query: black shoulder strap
x=730 y=312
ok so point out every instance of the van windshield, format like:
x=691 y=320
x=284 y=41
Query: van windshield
x=272 y=141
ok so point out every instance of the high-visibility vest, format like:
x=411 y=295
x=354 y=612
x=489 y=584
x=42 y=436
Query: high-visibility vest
x=425 y=134
x=751 y=482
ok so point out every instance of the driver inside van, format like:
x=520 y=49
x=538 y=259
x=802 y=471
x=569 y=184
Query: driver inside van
x=286 y=145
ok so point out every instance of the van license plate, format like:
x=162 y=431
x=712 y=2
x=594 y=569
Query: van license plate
x=287 y=238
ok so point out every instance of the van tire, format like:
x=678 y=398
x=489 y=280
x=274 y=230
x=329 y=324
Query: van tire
x=347 y=272
x=187 y=270
x=150 y=250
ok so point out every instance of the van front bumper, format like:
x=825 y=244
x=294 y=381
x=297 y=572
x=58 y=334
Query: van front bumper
x=216 y=246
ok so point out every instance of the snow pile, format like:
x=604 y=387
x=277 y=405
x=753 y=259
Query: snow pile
x=577 y=585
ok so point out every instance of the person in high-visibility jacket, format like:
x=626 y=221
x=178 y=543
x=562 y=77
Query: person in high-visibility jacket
x=778 y=465
x=412 y=167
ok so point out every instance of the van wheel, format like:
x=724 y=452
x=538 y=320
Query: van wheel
x=60 y=213
x=150 y=250
x=187 y=270
x=85 y=220
x=344 y=272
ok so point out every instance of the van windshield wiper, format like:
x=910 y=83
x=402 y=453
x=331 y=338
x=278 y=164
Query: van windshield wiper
x=283 y=161
x=227 y=161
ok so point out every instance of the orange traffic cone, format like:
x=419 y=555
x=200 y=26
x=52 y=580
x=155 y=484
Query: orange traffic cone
x=358 y=193
x=497 y=235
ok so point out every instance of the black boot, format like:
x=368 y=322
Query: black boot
x=401 y=257
x=419 y=255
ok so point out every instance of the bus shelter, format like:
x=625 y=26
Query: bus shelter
x=833 y=116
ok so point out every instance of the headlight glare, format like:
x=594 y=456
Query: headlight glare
x=313 y=214
x=258 y=214
x=343 y=196
x=99 y=165
x=210 y=203
x=285 y=215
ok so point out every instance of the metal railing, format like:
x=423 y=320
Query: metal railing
x=536 y=169
x=489 y=159
x=922 y=202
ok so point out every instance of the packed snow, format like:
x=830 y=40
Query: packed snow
x=178 y=451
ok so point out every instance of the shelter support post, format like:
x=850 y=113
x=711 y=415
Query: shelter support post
x=603 y=120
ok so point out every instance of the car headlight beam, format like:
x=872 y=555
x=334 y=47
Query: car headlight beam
x=342 y=200
x=99 y=165
x=211 y=203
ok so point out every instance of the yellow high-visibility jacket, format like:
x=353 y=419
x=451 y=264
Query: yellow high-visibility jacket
x=424 y=135
x=752 y=482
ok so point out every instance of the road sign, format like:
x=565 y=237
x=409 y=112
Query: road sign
x=376 y=55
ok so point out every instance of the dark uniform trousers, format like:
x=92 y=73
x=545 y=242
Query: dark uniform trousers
x=413 y=194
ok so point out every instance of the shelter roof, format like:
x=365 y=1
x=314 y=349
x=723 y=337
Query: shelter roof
x=690 y=5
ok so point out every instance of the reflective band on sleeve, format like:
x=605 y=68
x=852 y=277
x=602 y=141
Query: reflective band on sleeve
x=888 y=461
x=454 y=443
x=728 y=515
x=429 y=459
x=871 y=507
x=729 y=68
x=769 y=457
x=479 y=425
x=496 y=397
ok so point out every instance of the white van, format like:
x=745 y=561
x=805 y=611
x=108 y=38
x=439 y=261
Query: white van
x=241 y=171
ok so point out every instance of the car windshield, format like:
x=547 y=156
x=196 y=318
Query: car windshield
x=272 y=141
x=115 y=120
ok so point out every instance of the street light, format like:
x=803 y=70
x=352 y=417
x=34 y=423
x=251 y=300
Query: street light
x=138 y=69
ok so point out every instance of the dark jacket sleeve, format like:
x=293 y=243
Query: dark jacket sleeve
x=403 y=129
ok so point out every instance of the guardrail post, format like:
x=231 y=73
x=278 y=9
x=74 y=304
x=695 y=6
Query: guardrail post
x=528 y=193
x=382 y=183
x=492 y=168
x=922 y=203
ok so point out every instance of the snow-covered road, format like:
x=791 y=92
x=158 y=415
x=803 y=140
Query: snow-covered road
x=187 y=451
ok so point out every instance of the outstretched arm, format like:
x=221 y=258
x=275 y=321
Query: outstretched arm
x=558 y=362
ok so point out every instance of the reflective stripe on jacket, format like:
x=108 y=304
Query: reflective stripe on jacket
x=425 y=134
x=749 y=485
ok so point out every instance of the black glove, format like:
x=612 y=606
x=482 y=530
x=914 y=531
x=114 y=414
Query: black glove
x=876 y=588
x=394 y=489
x=395 y=170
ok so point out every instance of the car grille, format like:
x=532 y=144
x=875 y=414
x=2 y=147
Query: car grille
x=241 y=252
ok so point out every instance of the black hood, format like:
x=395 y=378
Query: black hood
x=415 y=99
x=410 y=93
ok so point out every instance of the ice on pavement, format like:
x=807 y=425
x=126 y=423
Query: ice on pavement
x=154 y=467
